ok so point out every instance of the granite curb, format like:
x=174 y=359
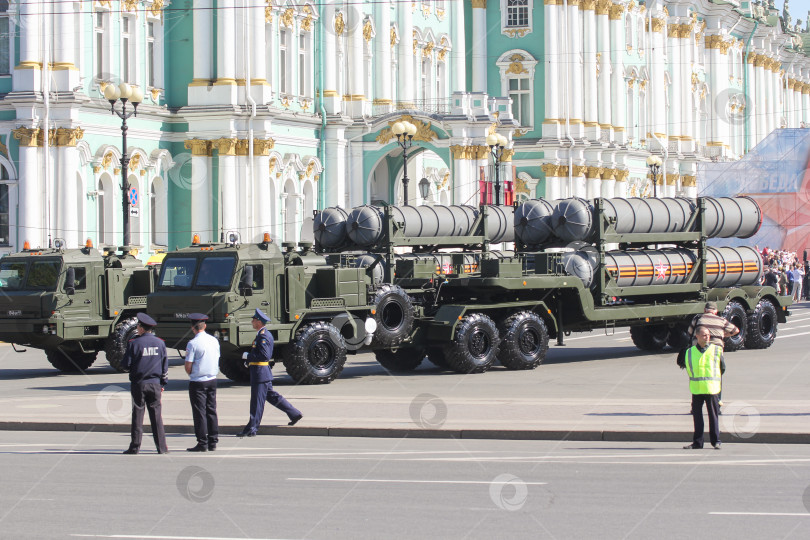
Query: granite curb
x=381 y=432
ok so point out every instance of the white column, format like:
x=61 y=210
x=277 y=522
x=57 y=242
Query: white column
x=405 y=58
x=228 y=192
x=590 y=88
x=656 y=102
x=226 y=53
x=262 y=202
x=617 y=86
x=382 y=53
x=65 y=74
x=752 y=103
x=458 y=55
x=608 y=186
x=32 y=224
x=767 y=76
x=551 y=37
x=335 y=189
x=805 y=103
x=28 y=72
x=331 y=99
x=593 y=184
x=479 y=47
x=675 y=118
x=720 y=127
x=67 y=198
x=621 y=189
x=203 y=43
x=574 y=61
x=686 y=103
x=258 y=52
x=356 y=63
x=200 y=187
x=603 y=82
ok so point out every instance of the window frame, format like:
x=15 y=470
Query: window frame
x=512 y=30
x=101 y=42
x=527 y=67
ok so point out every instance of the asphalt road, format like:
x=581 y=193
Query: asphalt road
x=76 y=485
x=596 y=382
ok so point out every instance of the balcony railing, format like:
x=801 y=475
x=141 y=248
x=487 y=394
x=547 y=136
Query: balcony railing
x=431 y=106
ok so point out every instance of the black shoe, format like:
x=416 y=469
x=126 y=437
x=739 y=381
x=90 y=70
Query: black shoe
x=198 y=448
x=295 y=420
x=212 y=447
x=692 y=446
x=131 y=450
x=717 y=446
x=242 y=434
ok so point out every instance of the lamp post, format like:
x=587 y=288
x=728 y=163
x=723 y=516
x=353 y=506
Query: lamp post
x=404 y=132
x=497 y=143
x=424 y=188
x=123 y=93
x=654 y=163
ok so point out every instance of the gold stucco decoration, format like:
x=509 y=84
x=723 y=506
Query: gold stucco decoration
x=198 y=147
x=268 y=14
x=427 y=50
x=423 y=131
x=226 y=146
x=106 y=161
x=367 y=30
x=306 y=24
x=340 y=24
x=393 y=36
x=516 y=32
x=473 y=152
x=130 y=5
x=287 y=18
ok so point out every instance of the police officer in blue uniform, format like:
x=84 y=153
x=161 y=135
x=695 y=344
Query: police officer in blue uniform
x=148 y=366
x=259 y=360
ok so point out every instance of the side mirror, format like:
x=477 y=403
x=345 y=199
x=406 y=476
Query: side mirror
x=246 y=285
x=70 y=282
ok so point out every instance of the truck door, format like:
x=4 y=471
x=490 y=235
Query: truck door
x=83 y=300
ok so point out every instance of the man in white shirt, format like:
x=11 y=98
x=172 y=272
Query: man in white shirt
x=202 y=366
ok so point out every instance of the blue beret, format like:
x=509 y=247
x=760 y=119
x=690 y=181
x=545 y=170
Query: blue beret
x=197 y=317
x=261 y=316
x=146 y=320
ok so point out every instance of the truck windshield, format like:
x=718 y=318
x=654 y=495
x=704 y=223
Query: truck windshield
x=11 y=275
x=43 y=275
x=215 y=273
x=177 y=272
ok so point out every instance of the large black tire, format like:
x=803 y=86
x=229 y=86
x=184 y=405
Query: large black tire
x=316 y=355
x=69 y=358
x=435 y=356
x=401 y=360
x=475 y=347
x=394 y=315
x=232 y=366
x=651 y=337
x=524 y=341
x=735 y=314
x=116 y=344
x=679 y=337
x=762 y=325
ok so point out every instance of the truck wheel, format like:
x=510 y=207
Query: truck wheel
x=232 y=366
x=475 y=346
x=761 y=326
x=436 y=357
x=116 y=344
x=525 y=341
x=394 y=315
x=652 y=337
x=735 y=314
x=679 y=337
x=316 y=355
x=70 y=358
x=401 y=360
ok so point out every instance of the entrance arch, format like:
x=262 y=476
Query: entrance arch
x=384 y=183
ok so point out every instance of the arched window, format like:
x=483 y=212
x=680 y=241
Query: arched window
x=101 y=48
x=285 y=82
x=517 y=81
x=641 y=38
x=628 y=31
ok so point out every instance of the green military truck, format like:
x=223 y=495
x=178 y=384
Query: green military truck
x=578 y=266
x=318 y=311
x=72 y=303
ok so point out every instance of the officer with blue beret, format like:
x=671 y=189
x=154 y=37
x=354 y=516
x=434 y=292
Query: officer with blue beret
x=148 y=365
x=261 y=379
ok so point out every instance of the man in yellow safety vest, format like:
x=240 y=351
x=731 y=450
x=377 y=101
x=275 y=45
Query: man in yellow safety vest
x=703 y=367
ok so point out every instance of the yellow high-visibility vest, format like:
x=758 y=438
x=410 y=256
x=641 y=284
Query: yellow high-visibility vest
x=704 y=369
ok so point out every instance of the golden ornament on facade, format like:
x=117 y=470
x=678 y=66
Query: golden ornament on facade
x=130 y=5
x=157 y=8
x=367 y=30
x=426 y=11
x=657 y=25
x=27 y=136
x=134 y=161
x=621 y=175
x=340 y=24
x=479 y=4
x=415 y=46
x=105 y=3
x=285 y=102
x=226 y=146
x=440 y=14
x=423 y=131
x=615 y=12
x=268 y=14
x=272 y=164
x=550 y=169
x=445 y=180
x=106 y=161
x=473 y=152
x=306 y=24
x=521 y=186
x=603 y=7
x=393 y=36
x=518 y=133
x=516 y=66
x=310 y=168
x=587 y=5
x=442 y=54
x=516 y=32
x=198 y=147
x=287 y=18
x=507 y=154
x=427 y=50
x=262 y=147
x=593 y=172
x=688 y=181
x=155 y=93
x=117 y=171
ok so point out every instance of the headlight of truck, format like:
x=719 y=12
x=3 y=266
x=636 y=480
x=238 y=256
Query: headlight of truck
x=216 y=334
x=45 y=328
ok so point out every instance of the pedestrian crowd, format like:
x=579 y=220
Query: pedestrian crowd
x=147 y=362
x=786 y=273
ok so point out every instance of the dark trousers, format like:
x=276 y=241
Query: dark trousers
x=712 y=406
x=203 y=397
x=261 y=392
x=146 y=395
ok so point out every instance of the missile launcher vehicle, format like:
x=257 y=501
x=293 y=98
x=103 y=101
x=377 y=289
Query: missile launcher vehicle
x=72 y=303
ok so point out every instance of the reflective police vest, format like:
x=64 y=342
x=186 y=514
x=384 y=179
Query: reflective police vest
x=704 y=369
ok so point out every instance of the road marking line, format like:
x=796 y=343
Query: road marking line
x=802 y=514
x=152 y=537
x=780 y=336
x=394 y=481
x=791 y=327
x=597 y=336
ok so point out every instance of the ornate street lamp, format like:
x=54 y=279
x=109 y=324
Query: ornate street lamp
x=497 y=144
x=123 y=93
x=404 y=132
x=424 y=188
x=654 y=163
